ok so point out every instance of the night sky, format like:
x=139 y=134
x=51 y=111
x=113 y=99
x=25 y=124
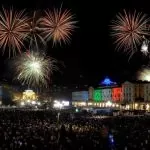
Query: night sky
x=91 y=55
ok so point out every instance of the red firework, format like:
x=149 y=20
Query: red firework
x=58 y=25
x=129 y=29
x=12 y=30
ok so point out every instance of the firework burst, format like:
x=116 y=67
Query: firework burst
x=35 y=69
x=144 y=47
x=144 y=74
x=34 y=31
x=58 y=25
x=12 y=30
x=128 y=30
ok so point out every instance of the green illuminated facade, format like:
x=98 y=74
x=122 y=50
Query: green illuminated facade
x=97 y=95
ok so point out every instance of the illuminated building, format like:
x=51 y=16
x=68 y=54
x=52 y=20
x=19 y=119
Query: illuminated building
x=128 y=90
x=147 y=92
x=106 y=94
x=29 y=95
x=91 y=92
x=139 y=91
x=80 y=96
x=116 y=94
x=106 y=88
x=97 y=95
x=128 y=96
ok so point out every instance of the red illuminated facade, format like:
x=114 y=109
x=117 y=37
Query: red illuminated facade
x=117 y=94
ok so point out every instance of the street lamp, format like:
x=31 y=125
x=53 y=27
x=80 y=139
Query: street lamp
x=108 y=103
x=22 y=103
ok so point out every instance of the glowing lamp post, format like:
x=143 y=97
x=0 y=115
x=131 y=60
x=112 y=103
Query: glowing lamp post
x=22 y=103
x=59 y=105
x=109 y=103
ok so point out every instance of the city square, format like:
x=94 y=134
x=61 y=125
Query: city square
x=74 y=75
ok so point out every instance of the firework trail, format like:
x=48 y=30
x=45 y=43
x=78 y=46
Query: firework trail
x=34 y=31
x=58 y=25
x=12 y=30
x=128 y=30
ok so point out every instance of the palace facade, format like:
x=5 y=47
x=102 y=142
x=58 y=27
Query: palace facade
x=128 y=95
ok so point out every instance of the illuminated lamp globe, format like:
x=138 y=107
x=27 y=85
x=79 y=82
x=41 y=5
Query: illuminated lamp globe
x=109 y=103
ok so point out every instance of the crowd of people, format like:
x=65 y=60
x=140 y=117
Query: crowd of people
x=42 y=130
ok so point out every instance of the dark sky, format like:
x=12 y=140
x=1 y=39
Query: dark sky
x=91 y=55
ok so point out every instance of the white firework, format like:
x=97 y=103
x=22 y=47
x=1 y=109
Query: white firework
x=35 y=69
